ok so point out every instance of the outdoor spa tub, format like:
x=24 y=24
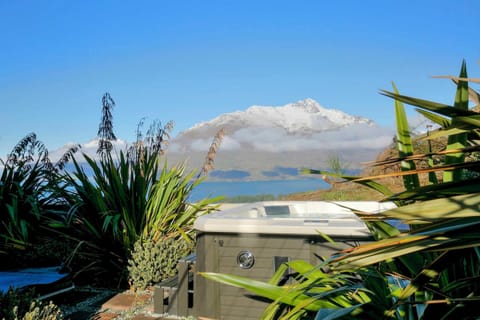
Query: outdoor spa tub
x=253 y=240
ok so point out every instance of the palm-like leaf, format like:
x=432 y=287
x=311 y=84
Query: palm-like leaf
x=168 y=210
x=313 y=292
x=432 y=270
x=443 y=109
x=459 y=140
x=405 y=146
x=449 y=228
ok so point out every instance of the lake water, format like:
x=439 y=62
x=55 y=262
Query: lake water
x=252 y=188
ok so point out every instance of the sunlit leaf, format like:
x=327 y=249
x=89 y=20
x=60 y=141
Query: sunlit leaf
x=456 y=141
x=404 y=145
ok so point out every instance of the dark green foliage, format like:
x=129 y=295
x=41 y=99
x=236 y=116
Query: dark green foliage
x=20 y=205
x=15 y=298
x=27 y=201
x=154 y=261
x=128 y=198
x=47 y=250
x=107 y=214
x=90 y=223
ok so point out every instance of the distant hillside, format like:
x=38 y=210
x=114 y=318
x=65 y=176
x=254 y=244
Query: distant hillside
x=265 y=142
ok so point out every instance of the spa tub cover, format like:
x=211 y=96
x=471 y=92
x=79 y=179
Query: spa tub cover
x=334 y=218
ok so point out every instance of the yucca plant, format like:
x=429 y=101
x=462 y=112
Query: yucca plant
x=313 y=293
x=169 y=211
x=432 y=270
x=125 y=201
x=440 y=253
x=445 y=219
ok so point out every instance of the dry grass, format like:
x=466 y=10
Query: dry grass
x=212 y=152
x=340 y=191
x=356 y=192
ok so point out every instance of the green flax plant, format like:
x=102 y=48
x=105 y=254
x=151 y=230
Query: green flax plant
x=430 y=271
x=27 y=204
x=312 y=292
x=129 y=197
x=442 y=246
x=439 y=256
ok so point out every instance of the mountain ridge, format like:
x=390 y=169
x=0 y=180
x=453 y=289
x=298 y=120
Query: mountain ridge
x=268 y=142
x=289 y=116
x=264 y=140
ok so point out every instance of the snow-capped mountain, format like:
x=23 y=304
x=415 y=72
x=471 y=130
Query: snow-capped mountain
x=295 y=135
x=89 y=148
x=304 y=115
x=268 y=142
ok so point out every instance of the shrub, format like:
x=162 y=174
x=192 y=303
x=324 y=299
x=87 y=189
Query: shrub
x=13 y=298
x=153 y=261
x=22 y=182
x=28 y=205
x=126 y=197
x=128 y=200
x=18 y=304
x=40 y=311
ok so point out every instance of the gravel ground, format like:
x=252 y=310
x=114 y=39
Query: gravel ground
x=82 y=303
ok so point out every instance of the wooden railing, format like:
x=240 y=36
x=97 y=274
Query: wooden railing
x=174 y=296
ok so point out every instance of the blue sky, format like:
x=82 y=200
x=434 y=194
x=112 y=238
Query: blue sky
x=190 y=61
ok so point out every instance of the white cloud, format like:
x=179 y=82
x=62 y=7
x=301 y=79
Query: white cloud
x=200 y=144
x=89 y=148
x=269 y=139
x=278 y=140
x=230 y=144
